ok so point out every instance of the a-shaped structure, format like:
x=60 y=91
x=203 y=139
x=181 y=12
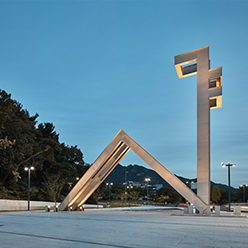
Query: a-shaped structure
x=108 y=160
x=209 y=95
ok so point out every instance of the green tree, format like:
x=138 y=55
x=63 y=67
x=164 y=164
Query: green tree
x=100 y=193
x=174 y=196
x=215 y=194
x=19 y=127
x=223 y=197
x=24 y=143
x=134 y=194
x=53 y=185
x=163 y=198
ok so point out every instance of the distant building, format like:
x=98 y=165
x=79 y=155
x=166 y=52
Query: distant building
x=193 y=185
x=158 y=186
x=137 y=184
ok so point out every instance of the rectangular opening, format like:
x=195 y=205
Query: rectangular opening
x=212 y=83
x=215 y=82
x=189 y=68
x=212 y=103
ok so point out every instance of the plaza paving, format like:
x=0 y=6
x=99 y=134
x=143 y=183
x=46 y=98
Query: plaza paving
x=106 y=229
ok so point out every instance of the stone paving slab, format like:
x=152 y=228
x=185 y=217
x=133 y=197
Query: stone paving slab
x=106 y=229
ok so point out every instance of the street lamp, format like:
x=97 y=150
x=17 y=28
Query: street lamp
x=147 y=180
x=189 y=184
x=109 y=185
x=126 y=186
x=243 y=185
x=229 y=189
x=28 y=169
x=129 y=187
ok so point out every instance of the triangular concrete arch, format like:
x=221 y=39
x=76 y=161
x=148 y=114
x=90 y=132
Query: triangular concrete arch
x=108 y=160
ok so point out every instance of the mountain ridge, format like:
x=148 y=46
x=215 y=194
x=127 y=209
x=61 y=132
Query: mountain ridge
x=138 y=173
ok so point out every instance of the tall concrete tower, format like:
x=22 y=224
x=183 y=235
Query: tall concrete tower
x=209 y=96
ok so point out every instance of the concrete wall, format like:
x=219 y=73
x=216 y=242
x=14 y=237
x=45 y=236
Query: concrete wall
x=18 y=205
x=15 y=205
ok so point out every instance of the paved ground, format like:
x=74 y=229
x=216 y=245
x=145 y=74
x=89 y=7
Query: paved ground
x=106 y=229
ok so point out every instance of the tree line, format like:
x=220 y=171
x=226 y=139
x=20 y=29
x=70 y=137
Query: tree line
x=25 y=143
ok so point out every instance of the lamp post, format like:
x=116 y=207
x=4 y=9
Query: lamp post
x=28 y=169
x=129 y=187
x=126 y=186
x=109 y=185
x=147 y=180
x=243 y=185
x=229 y=189
x=189 y=183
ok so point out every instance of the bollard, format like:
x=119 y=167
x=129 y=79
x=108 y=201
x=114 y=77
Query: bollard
x=185 y=210
x=55 y=208
x=217 y=211
x=200 y=210
x=237 y=210
x=208 y=210
x=190 y=209
x=48 y=207
x=81 y=208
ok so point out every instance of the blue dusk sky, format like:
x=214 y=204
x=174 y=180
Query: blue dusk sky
x=95 y=67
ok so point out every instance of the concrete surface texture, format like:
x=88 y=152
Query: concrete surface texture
x=105 y=229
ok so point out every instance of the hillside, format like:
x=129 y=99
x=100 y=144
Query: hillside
x=137 y=173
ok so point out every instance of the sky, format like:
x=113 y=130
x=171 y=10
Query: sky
x=95 y=67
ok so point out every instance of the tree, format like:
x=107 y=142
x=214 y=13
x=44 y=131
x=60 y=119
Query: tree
x=24 y=143
x=134 y=194
x=163 y=198
x=174 y=196
x=223 y=197
x=53 y=185
x=100 y=193
x=215 y=194
x=19 y=127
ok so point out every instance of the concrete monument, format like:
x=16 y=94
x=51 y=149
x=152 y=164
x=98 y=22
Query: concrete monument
x=209 y=96
x=108 y=160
